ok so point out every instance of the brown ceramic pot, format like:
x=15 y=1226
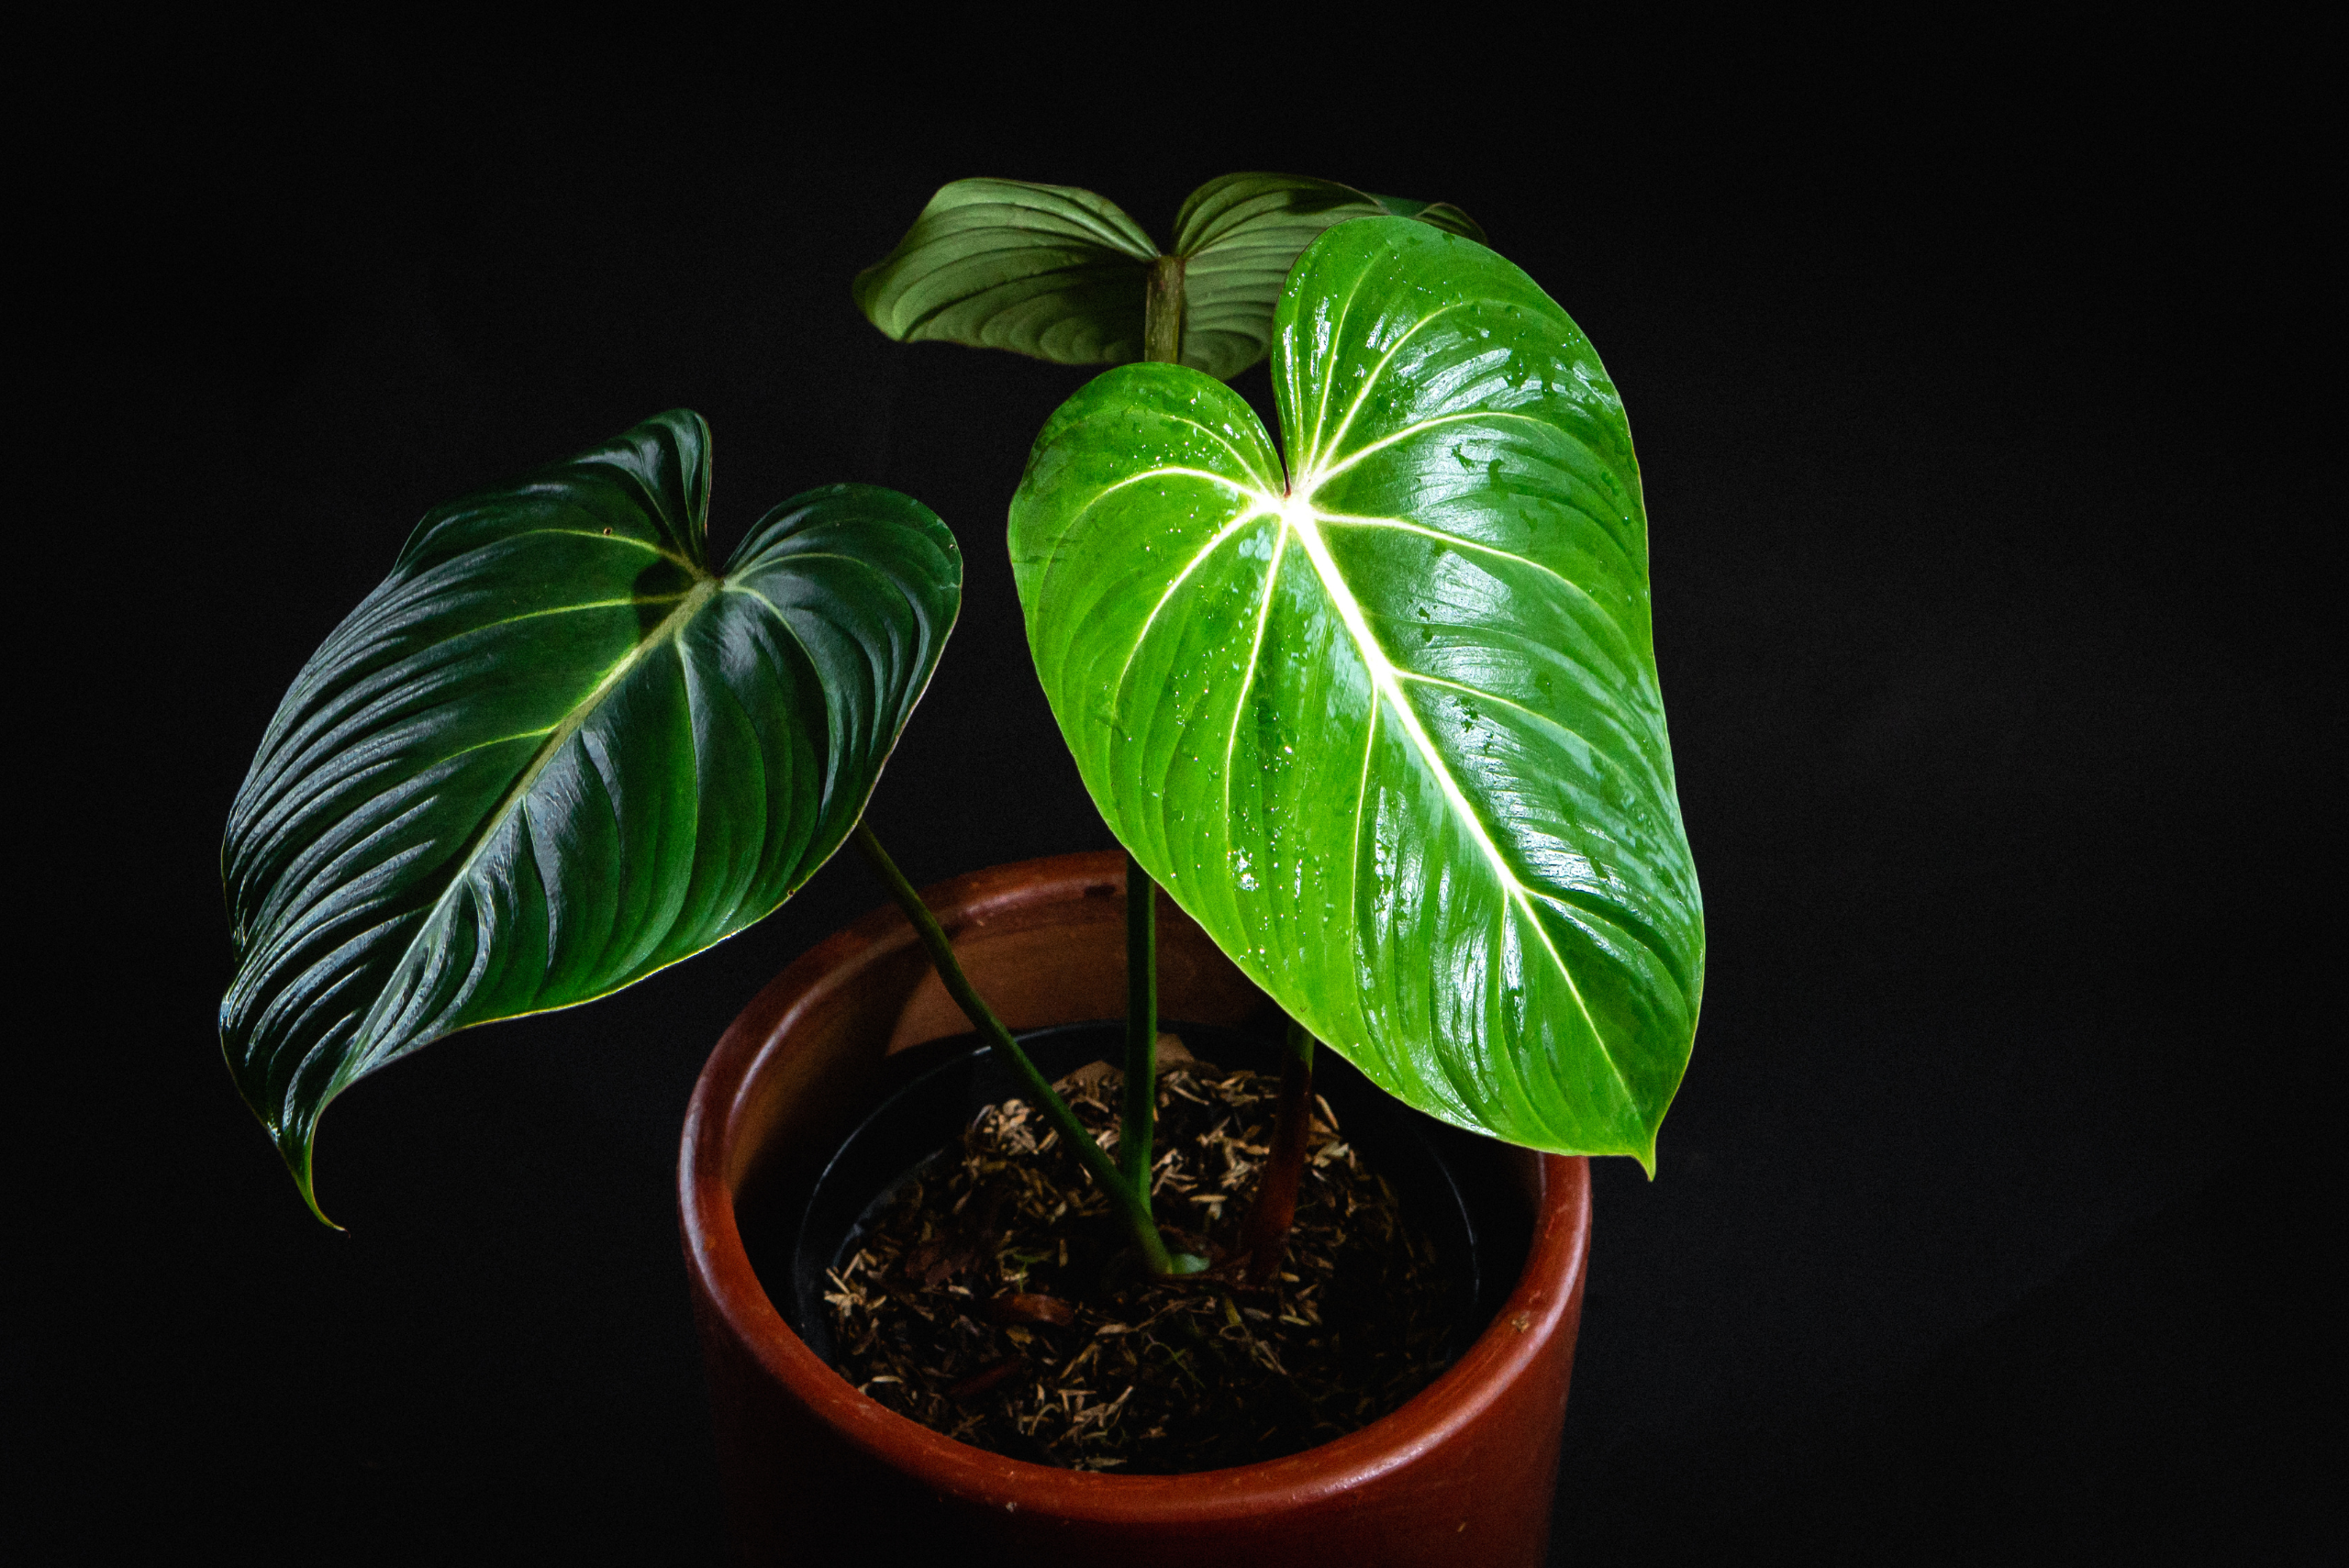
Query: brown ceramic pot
x=816 y=1472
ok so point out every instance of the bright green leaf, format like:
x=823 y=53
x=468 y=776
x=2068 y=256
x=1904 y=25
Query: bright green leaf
x=1047 y=271
x=1387 y=721
x=552 y=753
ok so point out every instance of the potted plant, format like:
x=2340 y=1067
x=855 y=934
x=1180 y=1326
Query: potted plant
x=1382 y=720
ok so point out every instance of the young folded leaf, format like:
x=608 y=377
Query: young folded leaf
x=1047 y=271
x=1060 y=273
x=1239 y=236
x=553 y=752
x=1387 y=722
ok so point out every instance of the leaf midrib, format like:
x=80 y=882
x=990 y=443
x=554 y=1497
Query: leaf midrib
x=704 y=589
x=1299 y=516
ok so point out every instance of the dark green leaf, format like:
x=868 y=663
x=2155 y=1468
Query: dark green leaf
x=1047 y=271
x=552 y=753
x=1387 y=722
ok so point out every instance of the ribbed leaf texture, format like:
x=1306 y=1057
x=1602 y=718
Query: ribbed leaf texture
x=1060 y=273
x=553 y=752
x=1239 y=236
x=1047 y=271
x=1386 y=720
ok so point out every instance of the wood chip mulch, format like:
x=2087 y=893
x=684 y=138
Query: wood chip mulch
x=994 y=1300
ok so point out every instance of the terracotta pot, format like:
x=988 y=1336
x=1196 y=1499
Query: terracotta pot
x=813 y=1471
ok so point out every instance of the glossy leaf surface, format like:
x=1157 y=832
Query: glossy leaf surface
x=1060 y=273
x=553 y=752
x=1387 y=722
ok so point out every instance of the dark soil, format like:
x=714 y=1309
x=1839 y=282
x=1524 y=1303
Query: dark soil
x=995 y=1299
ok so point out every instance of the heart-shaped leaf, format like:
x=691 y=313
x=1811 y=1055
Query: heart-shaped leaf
x=1061 y=274
x=1388 y=725
x=553 y=752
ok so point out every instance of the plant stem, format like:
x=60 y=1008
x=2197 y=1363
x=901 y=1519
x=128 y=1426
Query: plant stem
x=1162 y=334
x=1267 y=1236
x=1132 y=1202
x=1139 y=1135
x=1162 y=312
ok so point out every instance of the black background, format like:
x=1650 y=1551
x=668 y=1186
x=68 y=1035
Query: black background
x=1977 y=410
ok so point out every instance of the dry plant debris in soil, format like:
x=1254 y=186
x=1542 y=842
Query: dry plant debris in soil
x=990 y=1301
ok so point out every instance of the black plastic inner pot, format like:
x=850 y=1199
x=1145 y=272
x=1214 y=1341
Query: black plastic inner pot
x=805 y=1215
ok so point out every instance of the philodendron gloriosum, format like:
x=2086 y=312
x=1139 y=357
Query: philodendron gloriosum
x=556 y=752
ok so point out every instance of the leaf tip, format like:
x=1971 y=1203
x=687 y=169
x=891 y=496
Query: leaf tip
x=310 y=1199
x=298 y=1146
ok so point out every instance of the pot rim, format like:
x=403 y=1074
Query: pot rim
x=1536 y=1311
